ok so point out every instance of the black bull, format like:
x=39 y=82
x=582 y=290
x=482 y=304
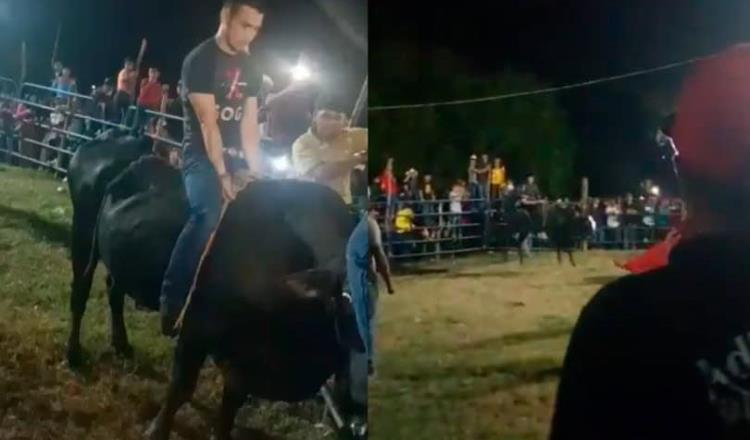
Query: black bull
x=265 y=303
x=565 y=226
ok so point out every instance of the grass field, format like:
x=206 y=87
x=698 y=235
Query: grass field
x=40 y=398
x=472 y=349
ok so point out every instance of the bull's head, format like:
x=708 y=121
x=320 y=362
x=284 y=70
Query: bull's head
x=328 y=285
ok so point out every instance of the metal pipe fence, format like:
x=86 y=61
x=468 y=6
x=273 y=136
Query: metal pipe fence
x=414 y=230
x=66 y=104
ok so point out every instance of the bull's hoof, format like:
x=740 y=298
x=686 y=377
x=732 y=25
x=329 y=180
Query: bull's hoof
x=75 y=357
x=124 y=350
x=357 y=429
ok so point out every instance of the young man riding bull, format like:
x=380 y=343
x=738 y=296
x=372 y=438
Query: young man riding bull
x=666 y=354
x=221 y=81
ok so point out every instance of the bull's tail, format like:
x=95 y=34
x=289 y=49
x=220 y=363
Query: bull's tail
x=93 y=257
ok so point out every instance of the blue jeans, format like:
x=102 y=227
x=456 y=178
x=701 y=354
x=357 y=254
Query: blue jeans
x=357 y=271
x=204 y=196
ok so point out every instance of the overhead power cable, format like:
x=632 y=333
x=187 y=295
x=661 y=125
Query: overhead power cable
x=542 y=90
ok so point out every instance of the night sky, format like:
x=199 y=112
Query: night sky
x=570 y=41
x=98 y=34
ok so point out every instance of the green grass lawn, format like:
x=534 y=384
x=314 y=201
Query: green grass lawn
x=472 y=349
x=40 y=398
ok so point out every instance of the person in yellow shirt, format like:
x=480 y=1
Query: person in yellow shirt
x=404 y=220
x=329 y=151
x=497 y=179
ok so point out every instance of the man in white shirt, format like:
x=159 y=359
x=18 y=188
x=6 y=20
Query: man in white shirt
x=329 y=151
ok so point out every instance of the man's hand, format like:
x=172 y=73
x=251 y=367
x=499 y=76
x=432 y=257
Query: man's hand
x=242 y=178
x=227 y=187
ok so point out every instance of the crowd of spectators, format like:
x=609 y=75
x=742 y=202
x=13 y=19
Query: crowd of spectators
x=63 y=116
x=418 y=215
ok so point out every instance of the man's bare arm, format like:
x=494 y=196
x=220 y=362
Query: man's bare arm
x=251 y=136
x=376 y=249
x=205 y=108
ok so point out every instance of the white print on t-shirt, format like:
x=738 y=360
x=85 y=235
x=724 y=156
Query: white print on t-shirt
x=731 y=400
x=230 y=113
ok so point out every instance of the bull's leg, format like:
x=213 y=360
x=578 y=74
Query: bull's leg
x=559 y=255
x=187 y=365
x=570 y=257
x=235 y=395
x=83 y=275
x=521 y=239
x=119 y=332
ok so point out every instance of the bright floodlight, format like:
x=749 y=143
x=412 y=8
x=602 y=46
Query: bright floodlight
x=655 y=190
x=300 y=72
x=280 y=163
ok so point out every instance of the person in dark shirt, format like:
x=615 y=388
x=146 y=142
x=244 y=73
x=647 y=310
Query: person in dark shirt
x=666 y=354
x=632 y=210
x=483 y=176
x=220 y=82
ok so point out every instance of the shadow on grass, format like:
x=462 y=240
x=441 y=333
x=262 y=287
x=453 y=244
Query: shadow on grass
x=416 y=270
x=491 y=274
x=459 y=380
x=241 y=433
x=94 y=367
x=518 y=338
x=51 y=232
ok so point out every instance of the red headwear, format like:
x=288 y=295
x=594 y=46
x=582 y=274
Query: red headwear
x=712 y=127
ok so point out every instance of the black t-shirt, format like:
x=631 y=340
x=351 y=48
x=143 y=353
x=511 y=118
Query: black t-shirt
x=232 y=79
x=531 y=190
x=631 y=212
x=664 y=355
x=484 y=174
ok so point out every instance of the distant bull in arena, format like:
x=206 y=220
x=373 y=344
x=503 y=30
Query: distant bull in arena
x=267 y=306
x=564 y=225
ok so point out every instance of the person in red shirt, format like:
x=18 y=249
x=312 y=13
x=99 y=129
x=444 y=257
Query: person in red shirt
x=389 y=188
x=149 y=98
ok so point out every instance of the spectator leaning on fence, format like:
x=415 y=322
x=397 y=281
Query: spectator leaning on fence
x=64 y=84
x=411 y=184
x=388 y=183
x=149 y=98
x=483 y=177
x=427 y=197
x=632 y=215
x=497 y=178
x=472 y=177
x=456 y=196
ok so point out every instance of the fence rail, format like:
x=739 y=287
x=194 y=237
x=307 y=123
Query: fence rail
x=11 y=142
x=414 y=230
x=6 y=82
